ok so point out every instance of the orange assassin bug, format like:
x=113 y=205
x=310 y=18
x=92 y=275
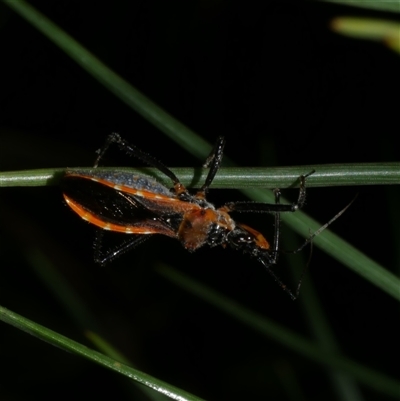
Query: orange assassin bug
x=140 y=206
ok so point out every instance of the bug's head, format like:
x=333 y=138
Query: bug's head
x=248 y=240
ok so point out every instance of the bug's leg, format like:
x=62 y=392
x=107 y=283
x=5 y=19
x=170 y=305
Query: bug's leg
x=273 y=259
x=109 y=255
x=277 y=207
x=267 y=265
x=302 y=192
x=213 y=161
x=133 y=151
x=277 y=228
x=216 y=153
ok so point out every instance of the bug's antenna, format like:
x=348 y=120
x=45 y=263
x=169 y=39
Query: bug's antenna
x=319 y=231
x=310 y=241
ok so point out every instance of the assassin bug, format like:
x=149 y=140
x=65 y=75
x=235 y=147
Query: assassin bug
x=139 y=205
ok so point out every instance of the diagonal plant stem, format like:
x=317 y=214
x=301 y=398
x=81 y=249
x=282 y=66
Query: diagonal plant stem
x=67 y=344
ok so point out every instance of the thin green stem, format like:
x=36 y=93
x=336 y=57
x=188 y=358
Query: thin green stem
x=65 y=343
x=237 y=177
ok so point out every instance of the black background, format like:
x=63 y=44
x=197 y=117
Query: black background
x=284 y=90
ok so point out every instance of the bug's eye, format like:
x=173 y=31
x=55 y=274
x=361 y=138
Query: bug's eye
x=246 y=238
x=238 y=238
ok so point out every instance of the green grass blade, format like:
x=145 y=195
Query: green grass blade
x=326 y=175
x=108 y=349
x=67 y=344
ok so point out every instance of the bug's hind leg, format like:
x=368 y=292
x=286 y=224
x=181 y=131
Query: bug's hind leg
x=277 y=207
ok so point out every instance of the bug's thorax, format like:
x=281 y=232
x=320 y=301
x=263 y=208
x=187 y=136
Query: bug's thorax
x=204 y=225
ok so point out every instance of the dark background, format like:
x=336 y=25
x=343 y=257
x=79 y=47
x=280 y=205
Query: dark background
x=284 y=90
